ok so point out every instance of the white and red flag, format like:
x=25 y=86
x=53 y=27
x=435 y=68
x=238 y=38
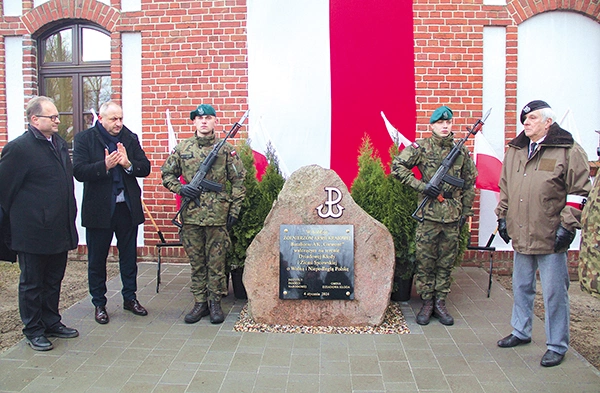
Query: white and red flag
x=489 y=165
x=261 y=141
x=489 y=168
x=320 y=72
x=171 y=133
x=397 y=137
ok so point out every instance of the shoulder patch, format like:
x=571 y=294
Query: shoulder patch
x=415 y=145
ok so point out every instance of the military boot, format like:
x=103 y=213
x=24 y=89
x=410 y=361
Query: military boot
x=425 y=313
x=441 y=312
x=216 y=314
x=200 y=310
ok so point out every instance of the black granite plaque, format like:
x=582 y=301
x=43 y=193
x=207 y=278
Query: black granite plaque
x=316 y=262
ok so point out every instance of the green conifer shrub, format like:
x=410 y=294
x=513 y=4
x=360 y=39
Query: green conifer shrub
x=250 y=220
x=256 y=205
x=401 y=203
x=367 y=190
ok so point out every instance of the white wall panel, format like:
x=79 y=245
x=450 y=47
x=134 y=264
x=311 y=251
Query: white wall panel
x=15 y=97
x=494 y=96
x=559 y=54
x=132 y=94
x=12 y=7
x=129 y=5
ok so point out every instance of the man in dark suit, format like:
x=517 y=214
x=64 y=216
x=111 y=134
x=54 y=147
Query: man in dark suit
x=37 y=193
x=108 y=159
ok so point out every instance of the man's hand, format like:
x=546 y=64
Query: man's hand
x=563 y=239
x=123 y=158
x=111 y=160
x=231 y=220
x=502 y=231
x=432 y=191
x=188 y=191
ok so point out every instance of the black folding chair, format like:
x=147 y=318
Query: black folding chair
x=487 y=247
x=159 y=247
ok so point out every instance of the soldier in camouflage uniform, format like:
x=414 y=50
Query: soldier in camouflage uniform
x=205 y=234
x=589 y=251
x=437 y=237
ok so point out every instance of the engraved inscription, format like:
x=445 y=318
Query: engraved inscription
x=316 y=262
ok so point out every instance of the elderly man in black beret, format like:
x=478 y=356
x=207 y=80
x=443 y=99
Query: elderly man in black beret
x=543 y=186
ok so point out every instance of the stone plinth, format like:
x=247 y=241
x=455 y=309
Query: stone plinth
x=297 y=204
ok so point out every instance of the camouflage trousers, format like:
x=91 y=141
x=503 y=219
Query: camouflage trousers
x=207 y=246
x=436 y=248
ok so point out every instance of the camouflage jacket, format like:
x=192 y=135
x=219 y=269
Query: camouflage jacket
x=589 y=251
x=214 y=207
x=427 y=155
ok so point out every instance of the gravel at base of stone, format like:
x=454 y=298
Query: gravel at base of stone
x=393 y=323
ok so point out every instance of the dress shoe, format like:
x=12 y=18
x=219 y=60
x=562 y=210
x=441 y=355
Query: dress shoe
x=425 y=314
x=216 y=313
x=200 y=310
x=101 y=315
x=512 y=341
x=441 y=312
x=39 y=343
x=135 y=307
x=61 y=331
x=551 y=359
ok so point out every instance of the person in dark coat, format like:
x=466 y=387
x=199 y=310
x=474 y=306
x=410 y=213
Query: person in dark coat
x=38 y=195
x=108 y=159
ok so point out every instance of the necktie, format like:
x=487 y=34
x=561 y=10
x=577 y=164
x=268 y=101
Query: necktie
x=533 y=146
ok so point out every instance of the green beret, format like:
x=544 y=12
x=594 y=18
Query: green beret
x=441 y=113
x=203 y=110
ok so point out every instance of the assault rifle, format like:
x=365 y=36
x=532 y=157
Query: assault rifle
x=441 y=175
x=199 y=181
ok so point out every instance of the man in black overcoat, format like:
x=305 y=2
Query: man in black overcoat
x=37 y=193
x=108 y=159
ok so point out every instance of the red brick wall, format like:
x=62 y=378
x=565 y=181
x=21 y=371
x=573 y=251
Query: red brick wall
x=195 y=51
x=190 y=55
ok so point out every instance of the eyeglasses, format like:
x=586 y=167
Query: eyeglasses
x=52 y=117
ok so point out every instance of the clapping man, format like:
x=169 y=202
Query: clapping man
x=108 y=159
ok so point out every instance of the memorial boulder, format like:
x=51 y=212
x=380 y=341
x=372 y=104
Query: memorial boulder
x=320 y=260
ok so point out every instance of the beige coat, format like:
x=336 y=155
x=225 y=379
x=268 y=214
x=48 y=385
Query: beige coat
x=533 y=191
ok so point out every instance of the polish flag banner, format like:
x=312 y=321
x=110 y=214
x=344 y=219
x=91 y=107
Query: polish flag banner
x=260 y=163
x=489 y=167
x=321 y=72
x=261 y=141
x=171 y=133
x=397 y=137
x=488 y=164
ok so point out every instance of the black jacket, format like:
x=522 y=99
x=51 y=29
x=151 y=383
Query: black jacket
x=6 y=254
x=89 y=168
x=37 y=192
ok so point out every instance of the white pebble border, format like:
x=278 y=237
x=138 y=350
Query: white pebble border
x=393 y=323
